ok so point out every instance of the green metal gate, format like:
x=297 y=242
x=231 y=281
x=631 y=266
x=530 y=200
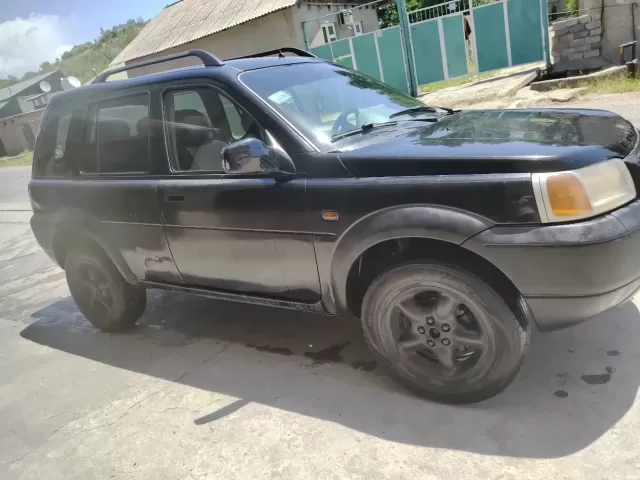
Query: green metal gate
x=439 y=49
x=503 y=33
x=430 y=45
x=379 y=54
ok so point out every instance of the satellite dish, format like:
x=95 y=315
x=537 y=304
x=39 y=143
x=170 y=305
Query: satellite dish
x=70 y=82
x=45 y=86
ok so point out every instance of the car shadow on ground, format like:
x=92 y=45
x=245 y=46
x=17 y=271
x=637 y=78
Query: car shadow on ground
x=575 y=385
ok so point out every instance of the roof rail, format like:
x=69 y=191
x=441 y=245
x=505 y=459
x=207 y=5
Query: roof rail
x=207 y=58
x=280 y=51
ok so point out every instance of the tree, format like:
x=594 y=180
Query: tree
x=572 y=7
x=388 y=13
x=29 y=75
x=82 y=59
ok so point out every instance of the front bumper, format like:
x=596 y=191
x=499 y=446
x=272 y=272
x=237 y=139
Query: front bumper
x=568 y=273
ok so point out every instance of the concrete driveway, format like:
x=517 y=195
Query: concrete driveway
x=206 y=389
x=14 y=198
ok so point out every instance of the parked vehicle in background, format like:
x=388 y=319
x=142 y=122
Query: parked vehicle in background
x=292 y=182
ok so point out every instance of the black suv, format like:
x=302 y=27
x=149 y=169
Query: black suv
x=288 y=181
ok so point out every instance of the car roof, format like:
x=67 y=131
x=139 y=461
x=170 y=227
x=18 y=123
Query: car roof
x=229 y=71
x=245 y=64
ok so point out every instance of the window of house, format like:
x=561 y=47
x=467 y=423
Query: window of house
x=199 y=123
x=117 y=136
x=357 y=28
x=329 y=32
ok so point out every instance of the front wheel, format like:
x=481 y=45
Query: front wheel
x=443 y=332
x=100 y=292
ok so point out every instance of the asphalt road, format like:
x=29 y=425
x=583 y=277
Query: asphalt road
x=13 y=188
x=207 y=389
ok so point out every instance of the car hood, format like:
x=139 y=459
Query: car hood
x=491 y=141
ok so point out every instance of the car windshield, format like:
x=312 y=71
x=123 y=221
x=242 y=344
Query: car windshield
x=323 y=100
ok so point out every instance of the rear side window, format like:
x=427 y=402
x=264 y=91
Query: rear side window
x=51 y=157
x=61 y=137
x=117 y=136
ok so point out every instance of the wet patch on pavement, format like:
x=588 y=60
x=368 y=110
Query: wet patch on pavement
x=269 y=349
x=561 y=394
x=332 y=354
x=367 y=366
x=599 y=379
x=613 y=353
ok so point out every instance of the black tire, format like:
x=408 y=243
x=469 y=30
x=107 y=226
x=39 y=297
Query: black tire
x=100 y=292
x=488 y=340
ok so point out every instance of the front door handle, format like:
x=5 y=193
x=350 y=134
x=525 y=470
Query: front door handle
x=174 y=198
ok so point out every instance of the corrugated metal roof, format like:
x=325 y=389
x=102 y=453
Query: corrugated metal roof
x=8 y=92
x=188 y=20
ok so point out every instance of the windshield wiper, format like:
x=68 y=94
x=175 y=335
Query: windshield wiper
x=421 y=109
x=370 y=126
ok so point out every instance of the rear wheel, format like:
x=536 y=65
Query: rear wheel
x=443 y=332
x=101 y=293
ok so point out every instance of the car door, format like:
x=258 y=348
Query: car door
x=101 y=159
x=241 y=233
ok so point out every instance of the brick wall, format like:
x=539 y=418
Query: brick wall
x=576 y=38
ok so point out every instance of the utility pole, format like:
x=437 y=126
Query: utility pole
x=544 y=7
x=405 y=35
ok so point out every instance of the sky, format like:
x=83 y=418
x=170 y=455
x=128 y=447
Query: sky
x=34 y=31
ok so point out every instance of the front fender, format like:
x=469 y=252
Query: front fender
x=417 y=221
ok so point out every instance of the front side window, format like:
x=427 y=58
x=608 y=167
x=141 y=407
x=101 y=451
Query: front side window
x=199 y=123
x=117 y=136
x=322 y=99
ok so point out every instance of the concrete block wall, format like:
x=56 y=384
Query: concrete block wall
x=618 y=26
x=12 y=131
x=576 y=38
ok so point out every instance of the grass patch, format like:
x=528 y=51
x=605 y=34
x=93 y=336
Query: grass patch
x=454 y=82
x=612 y=85
x=25 y=159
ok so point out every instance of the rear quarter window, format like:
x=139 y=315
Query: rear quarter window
x=51 y=156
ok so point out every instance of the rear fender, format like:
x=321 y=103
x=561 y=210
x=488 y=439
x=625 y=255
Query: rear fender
x=75 y=224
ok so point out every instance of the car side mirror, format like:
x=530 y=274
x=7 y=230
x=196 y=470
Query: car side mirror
x=253 y=156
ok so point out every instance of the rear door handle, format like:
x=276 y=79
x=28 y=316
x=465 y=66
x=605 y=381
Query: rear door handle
x=174 y=198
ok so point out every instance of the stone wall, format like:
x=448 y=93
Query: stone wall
x=574 y=39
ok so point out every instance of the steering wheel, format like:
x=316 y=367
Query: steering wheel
x=342 y=125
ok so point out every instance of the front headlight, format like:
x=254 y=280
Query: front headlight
x=582 y=193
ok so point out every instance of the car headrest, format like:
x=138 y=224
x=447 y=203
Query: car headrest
x=193 y=129
x=110 y=130
x=143 y=127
